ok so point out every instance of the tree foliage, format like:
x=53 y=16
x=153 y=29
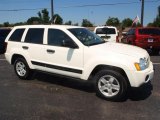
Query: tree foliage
x=33 y=20
x=127 y=22
x=156 y=21
x=113 y=21
x=6 y=24
x=44 y=16
x=68 y=22
x=57 y=19
x=86 y=23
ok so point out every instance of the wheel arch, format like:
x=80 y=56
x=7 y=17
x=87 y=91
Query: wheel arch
x=15 y=56
x=108 y=67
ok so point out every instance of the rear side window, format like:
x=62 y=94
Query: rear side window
x=17 y=35
x=35 y=35
x=149 y=31
x=105 y=31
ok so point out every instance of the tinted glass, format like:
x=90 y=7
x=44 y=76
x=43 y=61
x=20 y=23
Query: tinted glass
x=105 y=31
x=35 y=35
x=131 y=32
x=56 y=37
x=149 y=31
x=4 y=32
x=17 y=35
x=87 y=37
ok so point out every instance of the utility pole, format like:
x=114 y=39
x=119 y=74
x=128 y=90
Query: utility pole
x=52 y=13
x=142 y=12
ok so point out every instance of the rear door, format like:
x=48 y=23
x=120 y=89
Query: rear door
x=34 y=48
x=107 y=33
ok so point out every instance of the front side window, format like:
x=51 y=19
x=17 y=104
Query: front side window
x=17 y=35
x=86 y=37
x=131 y=32
x=56 y=37
x=35 y=35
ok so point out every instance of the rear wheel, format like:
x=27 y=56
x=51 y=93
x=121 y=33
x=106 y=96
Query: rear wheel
x=111 y=85
x=22 y=69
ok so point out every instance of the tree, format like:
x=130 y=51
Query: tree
x=86 y=23
x=76 y=24
x=6 y=24
x=57 y=19
x=156 y=21
x=113 y=21
x=44 y=16
x=68 y=23
x=127 y=22
x=20 y=23
x=33 y=20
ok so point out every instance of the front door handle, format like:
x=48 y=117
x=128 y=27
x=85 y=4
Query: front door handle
x=25 y=47
x=50 y=51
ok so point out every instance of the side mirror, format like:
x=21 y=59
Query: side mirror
x=69 y=43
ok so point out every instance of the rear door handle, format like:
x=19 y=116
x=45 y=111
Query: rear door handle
x=25 y=47
x=50 y=51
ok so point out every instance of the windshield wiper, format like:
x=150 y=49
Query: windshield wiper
x=97 y=43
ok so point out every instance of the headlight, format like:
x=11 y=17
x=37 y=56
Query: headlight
x=142 y=65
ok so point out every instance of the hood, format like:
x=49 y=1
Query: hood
x=120 y=48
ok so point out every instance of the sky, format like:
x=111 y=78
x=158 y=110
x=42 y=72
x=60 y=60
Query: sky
x=12 y=11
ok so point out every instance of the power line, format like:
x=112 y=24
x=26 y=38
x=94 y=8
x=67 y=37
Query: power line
x=15 y=10
x=80 y=6
x=108 y=4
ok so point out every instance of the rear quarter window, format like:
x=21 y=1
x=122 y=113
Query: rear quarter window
x=17 y=35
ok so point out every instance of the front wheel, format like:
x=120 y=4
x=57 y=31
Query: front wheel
x=111 y=85
x=22 y=69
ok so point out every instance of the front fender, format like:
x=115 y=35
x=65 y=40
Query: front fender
x=116 y=61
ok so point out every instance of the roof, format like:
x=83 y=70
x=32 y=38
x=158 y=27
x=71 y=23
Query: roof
x=48 y=26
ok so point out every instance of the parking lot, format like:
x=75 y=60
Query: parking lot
x=48 y=97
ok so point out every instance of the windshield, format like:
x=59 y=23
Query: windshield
x=87 y=37
x=105 y=31
x=149 y=31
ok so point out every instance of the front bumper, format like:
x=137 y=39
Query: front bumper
x=138 y=78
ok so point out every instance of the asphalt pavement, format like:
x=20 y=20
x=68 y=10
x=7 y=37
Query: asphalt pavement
x=48 y=97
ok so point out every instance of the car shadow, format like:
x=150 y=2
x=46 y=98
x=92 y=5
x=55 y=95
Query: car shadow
x=135 y=94
x=151 y=53
x=66 y=82
x=141 y=93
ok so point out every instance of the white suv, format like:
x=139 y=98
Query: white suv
x=108 y=33
x=78 y=53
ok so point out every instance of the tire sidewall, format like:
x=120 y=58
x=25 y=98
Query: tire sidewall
x=121 y=80
x=26 y=66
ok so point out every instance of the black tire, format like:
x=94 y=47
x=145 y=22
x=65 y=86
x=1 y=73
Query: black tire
x=111 y=85
x=155 y=51
x=22 y=69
